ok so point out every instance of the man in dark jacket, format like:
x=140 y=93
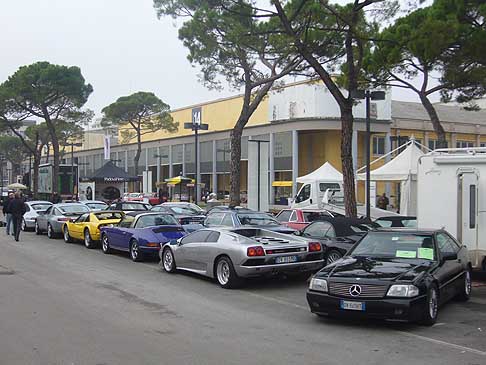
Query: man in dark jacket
x=55 y=199
x=6 y=212
x=17 y=209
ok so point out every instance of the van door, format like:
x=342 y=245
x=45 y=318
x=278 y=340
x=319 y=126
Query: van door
x=467 y=232
x=304 y=197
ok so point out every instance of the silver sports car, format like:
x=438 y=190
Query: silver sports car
x=228 y=255
x=54 y=218
x=33 y=208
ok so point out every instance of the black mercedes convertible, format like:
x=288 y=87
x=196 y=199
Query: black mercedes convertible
x=398 y=274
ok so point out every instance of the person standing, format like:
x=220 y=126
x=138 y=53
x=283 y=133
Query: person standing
x=55 y=199
x=6 y=212
x=17 y=210
x=383 y=201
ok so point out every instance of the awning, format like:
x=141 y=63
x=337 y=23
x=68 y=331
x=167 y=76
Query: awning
x=179 y=180
x=282 y=184
x=326 y=172
x=109 y=173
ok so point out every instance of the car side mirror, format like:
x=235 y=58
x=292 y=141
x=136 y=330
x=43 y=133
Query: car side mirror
x=173 y=242
x=449 y=256
x=298 y=233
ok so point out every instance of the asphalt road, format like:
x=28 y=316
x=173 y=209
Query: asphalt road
x=64 y=304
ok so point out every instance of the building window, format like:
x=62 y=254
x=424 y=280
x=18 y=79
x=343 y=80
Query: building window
x=433 y=144
x=464 y=144
x=482 y=144
x=378 y=145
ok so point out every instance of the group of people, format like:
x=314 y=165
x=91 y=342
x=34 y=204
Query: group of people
x=14 y=210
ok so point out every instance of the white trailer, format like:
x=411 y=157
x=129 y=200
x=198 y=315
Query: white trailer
x=451 y=194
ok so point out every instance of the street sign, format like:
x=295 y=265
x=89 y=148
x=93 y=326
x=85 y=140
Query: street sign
x=197 y=115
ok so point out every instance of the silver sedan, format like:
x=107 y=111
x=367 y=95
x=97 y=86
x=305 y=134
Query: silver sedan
x=228 y=255
x=54 y=218
x=33 y=208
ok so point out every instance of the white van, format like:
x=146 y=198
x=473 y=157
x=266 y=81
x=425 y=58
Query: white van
x=451 y=194
x=315 y=194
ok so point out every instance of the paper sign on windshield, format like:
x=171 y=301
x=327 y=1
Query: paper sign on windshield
x=426 y=253
x=406 y=254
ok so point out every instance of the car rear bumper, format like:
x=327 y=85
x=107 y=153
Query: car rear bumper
x=260 y=270
x=385 y=308
x=29 y=222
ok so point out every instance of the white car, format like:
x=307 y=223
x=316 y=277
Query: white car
x=33 y=208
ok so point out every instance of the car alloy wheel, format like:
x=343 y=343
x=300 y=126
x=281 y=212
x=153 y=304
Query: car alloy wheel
x=105 y=244
x=37 y=228
x=333 y=256
x=465 y=293
x=23 y=226
x=50 y=233
x=433 y=303
x=88 y=242
x=226 y=274
x=135 y=253
x=67 y=237
x=223 y=272
x=168 y=260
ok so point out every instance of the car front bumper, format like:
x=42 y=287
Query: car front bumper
x=405 y=309
x=262 y=270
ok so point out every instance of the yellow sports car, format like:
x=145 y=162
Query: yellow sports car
x=87 y=227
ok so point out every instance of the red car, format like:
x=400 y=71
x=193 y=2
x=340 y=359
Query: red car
x=300 y=218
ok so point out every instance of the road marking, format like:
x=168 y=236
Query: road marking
x=439 y=342
x=408 y=334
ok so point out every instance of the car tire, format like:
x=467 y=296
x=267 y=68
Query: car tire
x=50 y=231
x=135 y=253
x=332 y=256
x=225 y=273
x=23 y=226
x=465 y=293
x=37 y=229
x=105 y=244
x=431 y=309
x=88 y=241
x=168 y=261
x=66 y=235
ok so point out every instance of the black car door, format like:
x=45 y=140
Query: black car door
x=450 y=268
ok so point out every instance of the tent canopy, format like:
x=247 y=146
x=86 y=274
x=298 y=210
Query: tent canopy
x=111 y=173
x=326 y=172
x=179 y=180
x=400 y=168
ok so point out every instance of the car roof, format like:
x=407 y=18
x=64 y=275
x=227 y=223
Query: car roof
x=68 y=205
x=92 y=201
x=32 y=202
x=409 y=230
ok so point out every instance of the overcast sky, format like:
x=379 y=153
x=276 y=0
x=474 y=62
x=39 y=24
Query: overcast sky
x=120 y=46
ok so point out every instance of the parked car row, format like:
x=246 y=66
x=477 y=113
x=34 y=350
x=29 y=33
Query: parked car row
x=359 y=268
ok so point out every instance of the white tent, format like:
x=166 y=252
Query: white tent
x=326 y=172
x=402 y=168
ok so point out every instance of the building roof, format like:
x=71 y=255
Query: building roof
x=447 y=113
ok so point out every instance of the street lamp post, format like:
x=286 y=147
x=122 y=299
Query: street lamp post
x=368 y=95
x=259 y=142
x=196 y=125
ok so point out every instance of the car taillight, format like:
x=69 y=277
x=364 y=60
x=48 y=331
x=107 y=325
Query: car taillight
x=63 y=219
x=314 y=246
x=255 y=251
x=153 y=244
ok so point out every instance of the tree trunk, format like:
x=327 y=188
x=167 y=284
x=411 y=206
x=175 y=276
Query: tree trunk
x=136 y=159
x=35 y=175
x=434 y=118
x=347 y=120
x=235 y=163
x=55 y=150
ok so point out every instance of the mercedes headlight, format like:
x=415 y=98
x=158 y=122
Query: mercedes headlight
x=403 y=291
x=318 y=285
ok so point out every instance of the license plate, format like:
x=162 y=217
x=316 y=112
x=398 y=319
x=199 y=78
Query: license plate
x=353 y=306
x=286 y=259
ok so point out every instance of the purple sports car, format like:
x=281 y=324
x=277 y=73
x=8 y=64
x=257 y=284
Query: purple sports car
x=141 y=234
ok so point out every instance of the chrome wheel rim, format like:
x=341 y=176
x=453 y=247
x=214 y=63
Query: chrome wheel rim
x=468 y=285
x=223 y=272
x=66 y=235
x=23 y=226
x=433 y=303
x=334 y=256
x=134 y=250
x=87 y=238
x=168 y=260
x=105 y=243
x=49 y=230
x=36 y=227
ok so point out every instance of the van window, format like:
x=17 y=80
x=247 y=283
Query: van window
x=304 y=194
x=472 y=206
x=324 y=186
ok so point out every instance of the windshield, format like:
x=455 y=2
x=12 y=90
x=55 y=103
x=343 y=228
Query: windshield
x=97 y=205
x=155 y=220
x=134 y=206
x=396 y=245
x=312 y=216
x=74 y=209
x=38 y=207
x=184 y=210
x=109 y=215
x=257 y=219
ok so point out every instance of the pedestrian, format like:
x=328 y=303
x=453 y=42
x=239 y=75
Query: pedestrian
x=6 y=212
x=55 y=199
x=17 y=209
x=383 y=201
